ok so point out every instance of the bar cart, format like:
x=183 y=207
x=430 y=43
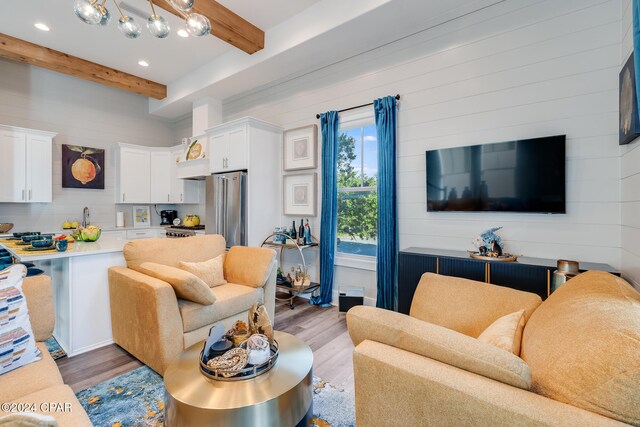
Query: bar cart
x=291 y=291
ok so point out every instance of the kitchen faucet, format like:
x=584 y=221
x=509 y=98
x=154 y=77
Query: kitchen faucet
x=85 y=217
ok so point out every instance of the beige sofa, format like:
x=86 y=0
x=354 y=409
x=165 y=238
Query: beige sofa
x=153 y=324
x=39 y=384
x=579 y=362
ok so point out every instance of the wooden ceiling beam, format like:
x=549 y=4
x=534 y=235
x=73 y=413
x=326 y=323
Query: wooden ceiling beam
x=40 y=56
x=225 y=24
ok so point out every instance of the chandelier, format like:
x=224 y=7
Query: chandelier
x=94 y=12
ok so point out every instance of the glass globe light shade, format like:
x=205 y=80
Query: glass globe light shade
x=198 y=25
x=158 y=26
x=106 y=16
x=87 y=11
x=129 y=27
x=183 y=5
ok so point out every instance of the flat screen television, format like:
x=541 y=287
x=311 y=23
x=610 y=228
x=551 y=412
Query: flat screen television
x=515 y=176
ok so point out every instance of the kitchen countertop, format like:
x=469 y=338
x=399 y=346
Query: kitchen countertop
x=106 y=244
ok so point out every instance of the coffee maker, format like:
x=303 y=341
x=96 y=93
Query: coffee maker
x=167 y=217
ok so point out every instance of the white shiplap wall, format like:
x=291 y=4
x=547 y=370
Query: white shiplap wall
x=630 y=175
x=82 y=113
x=519 y=69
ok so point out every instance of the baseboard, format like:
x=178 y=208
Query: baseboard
x=88 y=348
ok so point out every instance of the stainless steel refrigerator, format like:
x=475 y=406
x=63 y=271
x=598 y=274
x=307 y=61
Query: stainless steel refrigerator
x=226 y=207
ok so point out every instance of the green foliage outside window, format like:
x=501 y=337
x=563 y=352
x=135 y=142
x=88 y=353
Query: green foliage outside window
x=357 y=209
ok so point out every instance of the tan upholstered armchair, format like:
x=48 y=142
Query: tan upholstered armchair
x=154 y=324
x=578 y=361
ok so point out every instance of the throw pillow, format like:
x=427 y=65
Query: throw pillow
x=211 y=271
x=17 y=345
x=186 y=285
x=506 y=332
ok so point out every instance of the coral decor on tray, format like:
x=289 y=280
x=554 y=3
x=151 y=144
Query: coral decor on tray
x=490 y=246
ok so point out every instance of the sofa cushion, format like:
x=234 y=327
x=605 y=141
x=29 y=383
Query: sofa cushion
x=467 y=306
x=17 y=345
x=437 y=343
x=60 y=402
x=30 y=378
x=230 y=299
x=211 y=271
x=248 y=266
x=583 y=346
x=506 y=332
x=186 y=285
x=27 y=419
x=172 y=251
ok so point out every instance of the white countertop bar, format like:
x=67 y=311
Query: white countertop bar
x=106 y=244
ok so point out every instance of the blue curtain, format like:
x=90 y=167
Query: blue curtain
x=636 y=46
x=329 y=216
x=387 y=261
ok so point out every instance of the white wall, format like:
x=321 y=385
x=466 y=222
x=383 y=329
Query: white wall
x=630 y=175
x=519 y=69
x=82 y=113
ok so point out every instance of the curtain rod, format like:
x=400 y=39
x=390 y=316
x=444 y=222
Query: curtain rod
x=359 y=106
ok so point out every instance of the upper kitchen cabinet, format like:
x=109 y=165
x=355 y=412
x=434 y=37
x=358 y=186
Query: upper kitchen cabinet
x=26 y=165
x=133 y=169
x=228 y=147
x=160 y=177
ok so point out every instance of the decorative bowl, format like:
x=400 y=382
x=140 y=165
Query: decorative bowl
x=43 y=243
x=90 y=234
x=5 y=227
x=25 y=233
x=30 y=238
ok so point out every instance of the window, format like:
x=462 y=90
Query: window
x=357 y=187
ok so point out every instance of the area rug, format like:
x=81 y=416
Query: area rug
x=54 y=348
x=137 y=399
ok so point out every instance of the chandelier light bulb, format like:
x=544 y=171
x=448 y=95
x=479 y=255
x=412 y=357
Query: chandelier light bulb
x=183 y=5
x=158 y=26
x=198 y=25
x=129 y=27
x=106 y=16
x=87 y=11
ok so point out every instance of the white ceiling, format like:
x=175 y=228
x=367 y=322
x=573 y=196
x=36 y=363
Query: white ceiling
x=169 y=58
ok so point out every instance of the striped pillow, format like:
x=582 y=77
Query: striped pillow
x=17 y=344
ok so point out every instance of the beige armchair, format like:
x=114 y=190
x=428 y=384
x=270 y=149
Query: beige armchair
x=153 y=324
x=577 y=366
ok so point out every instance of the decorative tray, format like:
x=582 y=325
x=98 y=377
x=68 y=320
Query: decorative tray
x=501 y=258
x=250 y=371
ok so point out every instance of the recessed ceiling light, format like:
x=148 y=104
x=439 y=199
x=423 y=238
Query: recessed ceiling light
x=41 y=26
x=143 y=63
x=183 y=33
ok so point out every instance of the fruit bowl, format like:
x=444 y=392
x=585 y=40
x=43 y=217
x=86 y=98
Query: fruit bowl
x=89 y=234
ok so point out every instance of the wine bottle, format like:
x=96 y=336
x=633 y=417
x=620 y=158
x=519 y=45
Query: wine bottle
x=294 y=233
x=307 y=233
x=301 y=232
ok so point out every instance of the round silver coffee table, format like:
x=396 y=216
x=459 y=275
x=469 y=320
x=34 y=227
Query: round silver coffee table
x=281 y=397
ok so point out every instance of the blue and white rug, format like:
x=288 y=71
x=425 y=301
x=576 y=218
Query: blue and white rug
x=137 y=399
x=54 y=348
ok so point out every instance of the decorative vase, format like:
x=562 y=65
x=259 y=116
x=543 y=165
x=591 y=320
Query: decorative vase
x=566 y=270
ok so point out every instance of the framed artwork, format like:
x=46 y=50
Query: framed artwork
x=301 y=148
x=82 y=167
x=300 y=194
x=629 y=128
x=141 y=217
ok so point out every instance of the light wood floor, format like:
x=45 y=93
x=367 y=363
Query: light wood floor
x=323 y=329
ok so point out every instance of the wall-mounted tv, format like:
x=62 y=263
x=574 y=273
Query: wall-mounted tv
x=515 y=176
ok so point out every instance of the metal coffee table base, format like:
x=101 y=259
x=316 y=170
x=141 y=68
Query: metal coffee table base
x=281 y=397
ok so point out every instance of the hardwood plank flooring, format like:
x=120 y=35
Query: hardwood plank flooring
x=323 y=329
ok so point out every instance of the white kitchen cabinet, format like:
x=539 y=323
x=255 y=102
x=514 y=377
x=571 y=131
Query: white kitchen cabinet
x=25 y=165
x=228 y=147
x=161 y=177
x=256 y=146
x=133 y=181
x=182 y=190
